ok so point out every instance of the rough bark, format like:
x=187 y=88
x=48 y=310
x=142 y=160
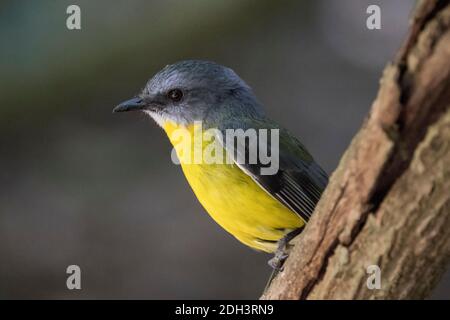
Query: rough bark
x=388 y=202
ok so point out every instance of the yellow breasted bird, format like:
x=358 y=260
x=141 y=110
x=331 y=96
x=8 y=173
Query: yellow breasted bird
x=262 y=211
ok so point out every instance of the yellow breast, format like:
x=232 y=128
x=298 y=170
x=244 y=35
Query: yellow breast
x=232 y=198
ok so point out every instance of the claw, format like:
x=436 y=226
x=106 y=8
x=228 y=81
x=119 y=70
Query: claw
x=281 y=255
x=278 y=260
x=276 y=263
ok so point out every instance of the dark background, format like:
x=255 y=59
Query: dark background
x=79 y=185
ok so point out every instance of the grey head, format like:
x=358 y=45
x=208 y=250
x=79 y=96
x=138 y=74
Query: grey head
x=195 y=90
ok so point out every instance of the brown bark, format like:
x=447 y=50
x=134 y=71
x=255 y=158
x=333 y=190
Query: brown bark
x=388 y=202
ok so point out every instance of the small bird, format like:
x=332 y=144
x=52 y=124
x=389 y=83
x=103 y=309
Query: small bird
x=263 y=211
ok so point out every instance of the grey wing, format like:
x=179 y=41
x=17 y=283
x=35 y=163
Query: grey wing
x=299 y=189
x=299 y=181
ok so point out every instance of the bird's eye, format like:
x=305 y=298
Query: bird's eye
x=175 y=95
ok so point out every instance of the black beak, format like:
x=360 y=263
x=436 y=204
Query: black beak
x=133 y=104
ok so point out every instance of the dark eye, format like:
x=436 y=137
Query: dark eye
x=175 y=95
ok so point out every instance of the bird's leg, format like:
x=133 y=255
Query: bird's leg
x=281 y=253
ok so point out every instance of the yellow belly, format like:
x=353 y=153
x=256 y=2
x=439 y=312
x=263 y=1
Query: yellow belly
x=237 y=203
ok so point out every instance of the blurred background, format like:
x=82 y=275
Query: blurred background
x=80 y=185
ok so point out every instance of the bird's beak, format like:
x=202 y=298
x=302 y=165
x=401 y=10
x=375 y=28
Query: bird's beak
x=133 y=104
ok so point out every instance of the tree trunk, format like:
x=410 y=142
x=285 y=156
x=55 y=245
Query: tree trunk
x=388 y=202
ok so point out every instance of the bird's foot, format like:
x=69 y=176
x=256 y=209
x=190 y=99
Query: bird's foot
x=281 y=253
x=278 y=259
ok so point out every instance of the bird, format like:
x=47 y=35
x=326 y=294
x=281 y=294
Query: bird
x=263 y=211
